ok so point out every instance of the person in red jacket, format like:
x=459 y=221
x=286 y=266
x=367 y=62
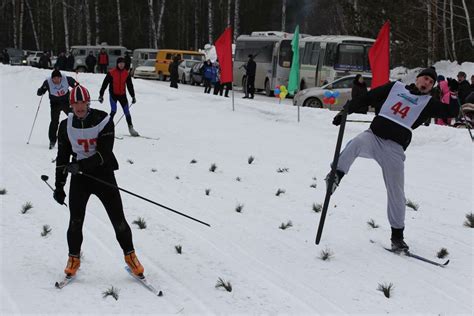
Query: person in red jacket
x=103 y=61
x=118 y=80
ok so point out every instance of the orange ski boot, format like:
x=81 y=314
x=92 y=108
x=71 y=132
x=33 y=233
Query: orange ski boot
x=73 y=264
x=133 y=263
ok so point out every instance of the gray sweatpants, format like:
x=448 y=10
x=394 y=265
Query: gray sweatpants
x=391 y=157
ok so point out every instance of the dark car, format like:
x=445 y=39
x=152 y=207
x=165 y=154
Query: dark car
x=196 y=74
x=17 y=56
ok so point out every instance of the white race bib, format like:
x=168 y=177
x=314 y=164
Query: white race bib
x=84 y=140
x=402 y=107
x=58 y=90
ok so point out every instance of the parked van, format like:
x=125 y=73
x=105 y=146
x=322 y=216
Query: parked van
x=140 y=55
x=164 y=57
x=81 y=52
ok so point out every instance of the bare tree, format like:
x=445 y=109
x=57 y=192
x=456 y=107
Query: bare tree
x=160 y=18
x=20 y=25
x=452 y=29
x=210 y=20
x=66 y=29
x=15 y=30
x=468 y=21
x=196 y=24
x=51 y=21
x=35 y=35
x=97 y=22
x=88 y=22
x=229 y=7
x=236 y=19
x=429 y=32
x=445 y=35
x=119 y=20
x=153 y=35
x=283 y=15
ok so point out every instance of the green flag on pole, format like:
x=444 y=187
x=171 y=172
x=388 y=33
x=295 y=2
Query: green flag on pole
x=295 y=63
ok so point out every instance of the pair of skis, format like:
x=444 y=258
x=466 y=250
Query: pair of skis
x=142 y=279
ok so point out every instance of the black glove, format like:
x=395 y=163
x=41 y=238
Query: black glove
x=101 y=99
x=72 y=168
x=453 y=85
x=337 y=119
x=134 y=100
x=59 y=195
x=39 y=92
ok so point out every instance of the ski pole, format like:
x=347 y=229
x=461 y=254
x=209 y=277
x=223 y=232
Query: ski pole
x=123 y=114
x=45 y=179
x=141 y=197
x=34 y=121
x=358 y=121
x=332 y=175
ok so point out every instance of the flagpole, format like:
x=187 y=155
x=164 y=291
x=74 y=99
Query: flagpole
x=233 y=108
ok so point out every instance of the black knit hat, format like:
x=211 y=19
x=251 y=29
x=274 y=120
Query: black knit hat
x=56 y=73
x=120 y=60
x=430 y=72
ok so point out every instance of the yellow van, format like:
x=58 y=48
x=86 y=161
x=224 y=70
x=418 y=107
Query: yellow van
x=164 y=58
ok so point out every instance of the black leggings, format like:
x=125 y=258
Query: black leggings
x=80 y=190
x=56 y=109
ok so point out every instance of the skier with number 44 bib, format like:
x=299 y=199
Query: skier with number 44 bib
x=399 y=109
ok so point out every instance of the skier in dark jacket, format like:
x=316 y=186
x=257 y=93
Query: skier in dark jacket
x=250 y=70
x=91 y=61
x=173 y=70
x=58 y=87
x=118 y=80
x=399 y=109
x=359 y=87
x=87 y=135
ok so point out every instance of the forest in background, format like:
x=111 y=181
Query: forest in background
x=422 y=32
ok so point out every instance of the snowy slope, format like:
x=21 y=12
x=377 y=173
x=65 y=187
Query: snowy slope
x=271 y=270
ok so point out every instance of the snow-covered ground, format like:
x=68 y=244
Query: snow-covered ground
x=271 y=270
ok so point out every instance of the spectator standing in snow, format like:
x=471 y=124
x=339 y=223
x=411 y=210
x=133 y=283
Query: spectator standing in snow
x=444 y=96
x=117 y=79
x=58 y=87
x=359 y=87
x=464 y=87
x=61 y=62
x=128 y=60
x=103 y=61
x=250 y=70
x=206 y=71
x=173 y=70
x=399 y=109
x=472 y=84
x=70 y=62
x=91 y=61
x=5 y=57
x=44 y=61
x=87 y=135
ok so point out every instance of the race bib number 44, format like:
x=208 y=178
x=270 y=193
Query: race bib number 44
x=399 y=109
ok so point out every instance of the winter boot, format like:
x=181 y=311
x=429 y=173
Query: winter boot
x=73 y=264
x=132 y=131
x=337 y=179
x=133 y=263
x=398 y=244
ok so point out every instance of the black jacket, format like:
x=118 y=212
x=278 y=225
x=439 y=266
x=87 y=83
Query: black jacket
x=61 y=63
x=387 y=129
x=55 y=99
x=251 y=68
x=173 y=69
x=101 y=163
x=464 y=90
x=91 y=61
x=358 y=89
x=44 y=62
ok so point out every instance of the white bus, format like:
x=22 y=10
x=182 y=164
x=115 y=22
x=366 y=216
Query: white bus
x=329 y=57
x=272 y=54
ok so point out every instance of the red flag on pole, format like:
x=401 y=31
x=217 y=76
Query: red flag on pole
x=379 y=57
x=224 y=54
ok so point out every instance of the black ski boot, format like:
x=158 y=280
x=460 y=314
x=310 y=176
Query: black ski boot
x=398 y=244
